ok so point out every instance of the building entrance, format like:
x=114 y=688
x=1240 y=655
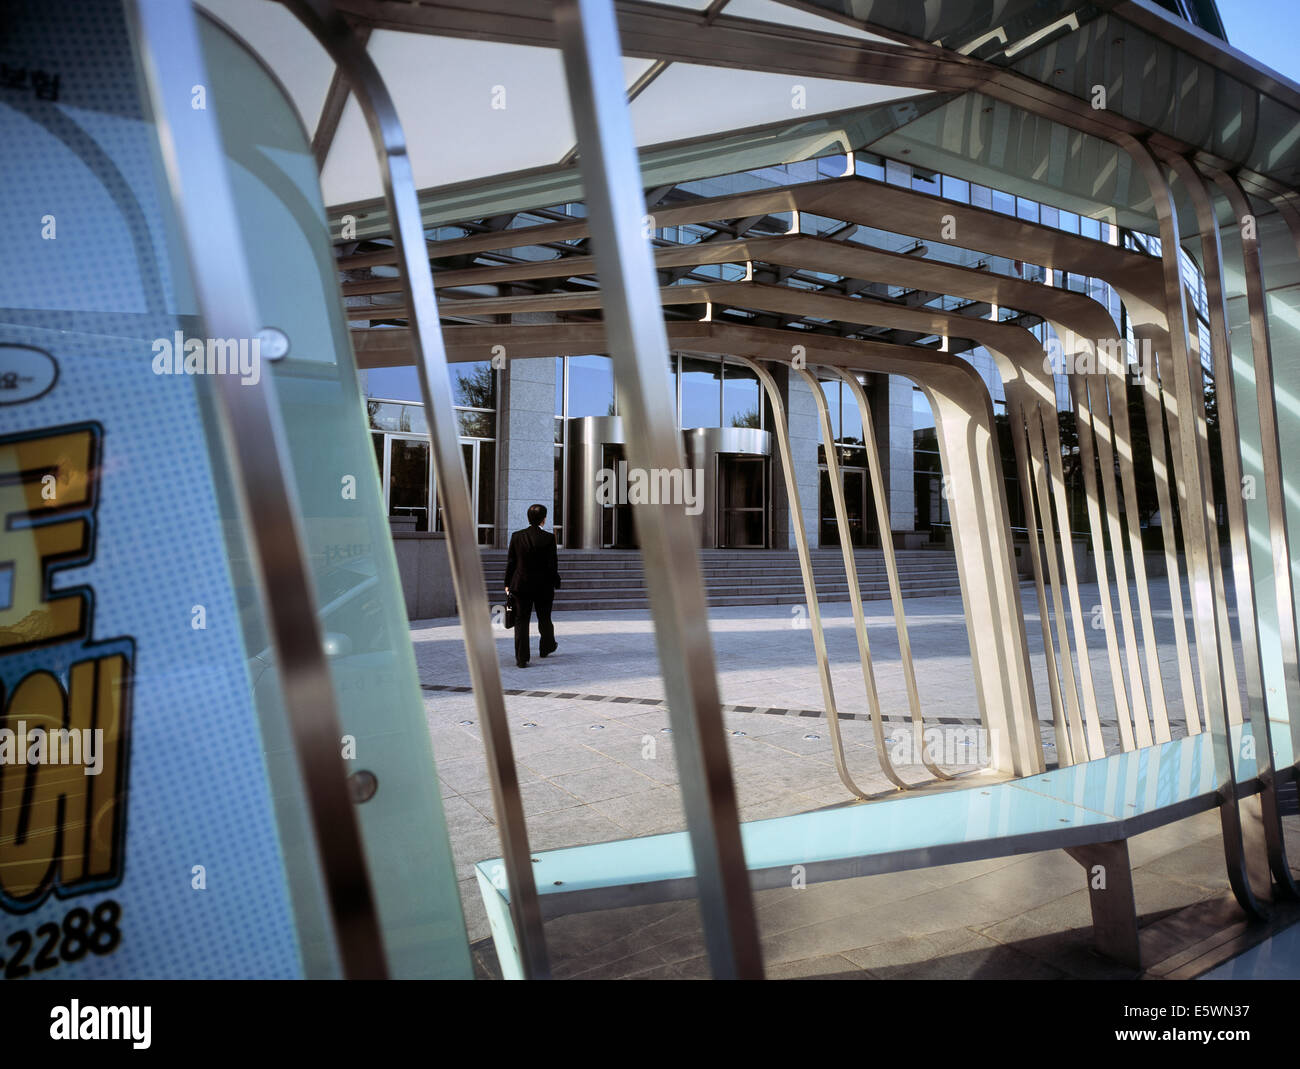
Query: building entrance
x=742 y=502
x=617 y=528
x=857 y=506
x=406 y=475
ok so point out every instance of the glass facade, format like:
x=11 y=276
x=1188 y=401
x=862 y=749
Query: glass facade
x=403 y=455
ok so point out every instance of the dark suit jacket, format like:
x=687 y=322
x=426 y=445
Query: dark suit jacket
x=532 y=568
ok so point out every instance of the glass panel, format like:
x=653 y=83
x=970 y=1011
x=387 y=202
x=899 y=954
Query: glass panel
x=701 y=392
x=474 y=385
x=201 y=754
x=926 y=182
x=898 y=174
x=740 y=397
x=559 y=386
x=392 y=384
x=827 y=526
x=1004 y=202
x=855 y=503
x=591 y=386
x=487 y=483
x=850 y=417
x=276 y=183
x=831 y=166
x=743 y=529
x=557 y=506
x=408 y=482
x=743 y=483
x=467 y=464
x=407 y=419
x=956 y=189
x=476 y=424
x=870 y=167
x=831 y=390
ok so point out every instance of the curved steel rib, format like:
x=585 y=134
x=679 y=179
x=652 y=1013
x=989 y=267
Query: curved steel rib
x=1192 y=470
x=372 y=95
x=1242 y=567
x=1270 y=444
x=810 y=593
x=884 y=524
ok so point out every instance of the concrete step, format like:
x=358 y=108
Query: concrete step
x=759 y=596
x=611 y=579
x=830 y=575
x=724 y=600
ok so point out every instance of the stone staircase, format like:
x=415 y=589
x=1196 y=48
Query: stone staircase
x=615 y=579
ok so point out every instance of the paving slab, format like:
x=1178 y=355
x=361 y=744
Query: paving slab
x=595 y=758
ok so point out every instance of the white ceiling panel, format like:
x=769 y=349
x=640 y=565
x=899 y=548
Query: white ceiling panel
x=693 y=101
x=285 y=46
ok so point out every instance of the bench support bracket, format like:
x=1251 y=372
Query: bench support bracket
x=1110 y=891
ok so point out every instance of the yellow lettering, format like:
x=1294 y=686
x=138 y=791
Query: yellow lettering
x=30 y=551
x=29 y=808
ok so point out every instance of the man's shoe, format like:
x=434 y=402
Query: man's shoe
x=547 y=653
x=521 y=664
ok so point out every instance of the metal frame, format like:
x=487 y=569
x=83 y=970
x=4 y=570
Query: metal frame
x=1192 y=466
x=876 y=475
x=1066 y=311
x=166 y=38
x=1171 y=393
x=1261 y=813
x=589 y=41
x=336 y=36
x=1270 y=445
x=781 y=431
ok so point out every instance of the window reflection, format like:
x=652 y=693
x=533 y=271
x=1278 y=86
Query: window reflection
x=474 y=385
x=591 y=386
x=741 y=401
x=393 y=383
x=701 y=392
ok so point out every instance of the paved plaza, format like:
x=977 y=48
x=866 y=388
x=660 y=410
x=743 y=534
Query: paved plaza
x=595 y=761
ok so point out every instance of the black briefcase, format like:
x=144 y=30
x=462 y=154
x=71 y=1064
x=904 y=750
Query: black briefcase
x=510 y=612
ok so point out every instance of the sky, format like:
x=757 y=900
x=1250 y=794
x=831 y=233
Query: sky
x=1265 y=30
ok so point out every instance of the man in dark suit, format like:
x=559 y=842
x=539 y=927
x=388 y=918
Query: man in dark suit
x=532 y=574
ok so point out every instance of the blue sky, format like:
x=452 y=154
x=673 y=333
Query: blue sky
x=1265 y=30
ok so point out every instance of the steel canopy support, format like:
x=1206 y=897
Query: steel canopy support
x=336 y=36
x=1270 y=443
x=589 y=42
x=167 y=43
x=782 y=433
x=851 y=575
x=891 y=568
x=1191 y=458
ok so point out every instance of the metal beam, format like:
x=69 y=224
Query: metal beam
x=333 y=32
x=589 y=41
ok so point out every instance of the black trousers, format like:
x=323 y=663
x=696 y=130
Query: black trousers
x=525 y=605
